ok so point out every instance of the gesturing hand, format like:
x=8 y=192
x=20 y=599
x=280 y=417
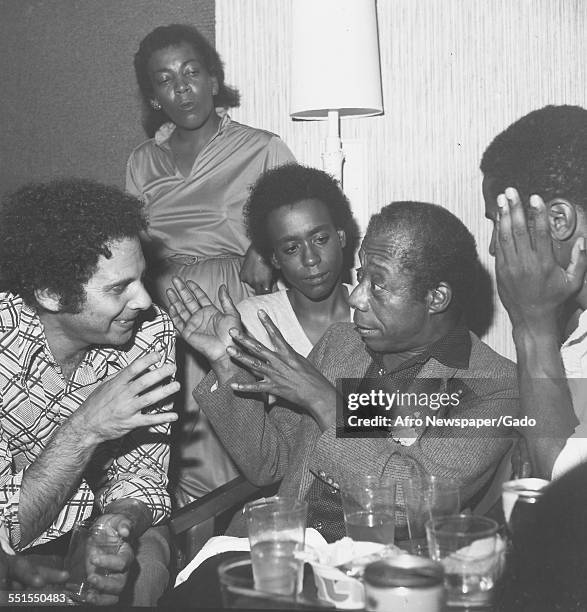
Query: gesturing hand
x=115 y=407
x=531 y=284
x=284 y=373
x=201 y=324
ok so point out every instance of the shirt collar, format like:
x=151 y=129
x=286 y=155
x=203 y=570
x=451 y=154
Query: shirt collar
x=452 y=350
x=98 y=357
x=163 y=134
x=33 y=337
x=34 y=342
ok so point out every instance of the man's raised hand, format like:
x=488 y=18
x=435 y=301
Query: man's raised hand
x=121 y=404
x=531 y=284
x=284 y=373
x=201 y=324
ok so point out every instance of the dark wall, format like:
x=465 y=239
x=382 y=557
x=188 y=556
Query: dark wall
x=69 y=100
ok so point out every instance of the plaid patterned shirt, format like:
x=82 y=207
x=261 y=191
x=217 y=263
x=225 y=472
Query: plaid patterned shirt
x=35 y=400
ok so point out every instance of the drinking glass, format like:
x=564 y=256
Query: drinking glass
x=237 y=588
x=428 y=497
x=87 y=537
x=469 y=549
x=277 y=527
x=369 y=509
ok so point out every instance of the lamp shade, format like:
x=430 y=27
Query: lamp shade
x=335 y=59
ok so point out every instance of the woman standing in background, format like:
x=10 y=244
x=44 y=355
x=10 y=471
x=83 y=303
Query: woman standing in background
x=194 y=176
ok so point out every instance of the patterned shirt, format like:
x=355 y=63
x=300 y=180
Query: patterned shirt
x=35 y=400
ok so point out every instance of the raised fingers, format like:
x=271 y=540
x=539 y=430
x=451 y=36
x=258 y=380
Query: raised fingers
x=226 y=302
x=254 y=364
x=148 y=378
x=177 y=311
x=505 y=236
x=138 y=366
x=199 y=294
x=539 y=225
x=519 y=226
x=187 y=299
x=279 y=342
x=154 y=419
x=254 y=347
x=578 y=265
x=148 y=389
x=256 y=387
x=157 y=395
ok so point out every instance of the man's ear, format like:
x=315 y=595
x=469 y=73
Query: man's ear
x=562 y=218
x=48 y=300
x=274 y=262
x=439 y=299
x=342 y=237
x=215 y=86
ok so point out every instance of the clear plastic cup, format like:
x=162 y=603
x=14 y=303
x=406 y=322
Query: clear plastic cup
x=369 y=509
x=277 y=528
x=426 y=498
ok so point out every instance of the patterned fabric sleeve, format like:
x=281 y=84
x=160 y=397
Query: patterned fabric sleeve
x=5 y=540
x=9 y=489
x=140 y=469
x=34 y=400
x=79 y=506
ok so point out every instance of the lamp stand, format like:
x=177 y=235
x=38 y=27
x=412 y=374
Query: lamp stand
x=333 y=156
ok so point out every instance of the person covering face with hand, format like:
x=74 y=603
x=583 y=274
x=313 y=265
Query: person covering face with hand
x=535 y=190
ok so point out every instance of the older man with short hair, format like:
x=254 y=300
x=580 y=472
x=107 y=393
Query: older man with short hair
x=418 y=269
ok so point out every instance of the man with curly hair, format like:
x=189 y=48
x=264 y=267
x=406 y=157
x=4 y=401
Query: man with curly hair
x=419 y=266
x=86 y=373
x=535 y=190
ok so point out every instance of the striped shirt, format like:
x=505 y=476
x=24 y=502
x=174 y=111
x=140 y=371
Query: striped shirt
x=35 y=400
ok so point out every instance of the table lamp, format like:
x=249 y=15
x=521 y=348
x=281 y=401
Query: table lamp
x=335 y=67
